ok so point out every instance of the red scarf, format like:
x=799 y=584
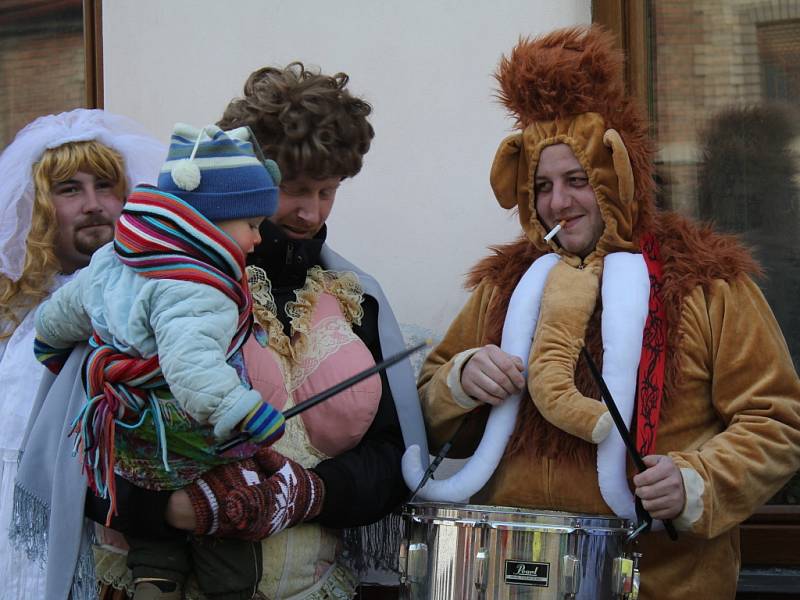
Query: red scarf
x=650 y=388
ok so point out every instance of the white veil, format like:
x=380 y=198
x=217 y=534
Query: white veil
x=143 y=156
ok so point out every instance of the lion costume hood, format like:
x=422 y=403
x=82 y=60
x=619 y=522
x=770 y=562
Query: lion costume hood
x=567 y=87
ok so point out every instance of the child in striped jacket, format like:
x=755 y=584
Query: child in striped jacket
x=166 y=309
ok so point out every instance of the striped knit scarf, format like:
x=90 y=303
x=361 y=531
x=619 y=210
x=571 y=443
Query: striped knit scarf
x=161 y=237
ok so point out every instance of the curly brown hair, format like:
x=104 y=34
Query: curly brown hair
x=307 y=122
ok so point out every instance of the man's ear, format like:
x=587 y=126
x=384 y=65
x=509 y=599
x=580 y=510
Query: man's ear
x=622 y=165
x=504 y=175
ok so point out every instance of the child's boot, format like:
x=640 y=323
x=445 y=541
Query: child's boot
x=154 y=588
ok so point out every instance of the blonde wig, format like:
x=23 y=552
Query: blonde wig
x=41 y=263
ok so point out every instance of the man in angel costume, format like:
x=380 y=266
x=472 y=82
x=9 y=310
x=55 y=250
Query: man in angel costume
x=688 y=346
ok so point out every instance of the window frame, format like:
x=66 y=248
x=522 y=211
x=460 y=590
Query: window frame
x=629 y=20
x=93 y=52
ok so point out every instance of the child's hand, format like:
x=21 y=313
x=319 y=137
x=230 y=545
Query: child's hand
x=51 y=357
x=264 y=424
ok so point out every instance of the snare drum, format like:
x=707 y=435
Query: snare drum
x=463 y=552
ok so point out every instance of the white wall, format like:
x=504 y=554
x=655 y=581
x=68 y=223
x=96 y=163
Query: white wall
x=421 y=211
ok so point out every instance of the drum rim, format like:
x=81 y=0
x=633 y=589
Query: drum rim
x=513 y=517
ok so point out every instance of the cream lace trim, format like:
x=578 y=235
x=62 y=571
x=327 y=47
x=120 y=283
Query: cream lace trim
x=295 y=442
x=330 y=334
x=111 y=568
x=344 y=286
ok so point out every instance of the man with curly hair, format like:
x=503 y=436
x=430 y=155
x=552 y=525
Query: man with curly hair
x=326 y=320
x=65 y=178
x=689 y=348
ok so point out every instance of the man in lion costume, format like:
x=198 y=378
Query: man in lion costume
x=685 y=338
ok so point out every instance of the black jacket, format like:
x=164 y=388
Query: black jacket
x=365 y=483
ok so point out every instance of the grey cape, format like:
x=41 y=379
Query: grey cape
x=50 y=489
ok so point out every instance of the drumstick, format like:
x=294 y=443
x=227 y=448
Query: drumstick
x=440 y=456
x=623 y=431
x=325 y=394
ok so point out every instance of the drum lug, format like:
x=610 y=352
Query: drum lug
x=634 y=595
x=402 y=562
x=570 y=575
x=480 y=570
x=417 y=568
x=625 y=577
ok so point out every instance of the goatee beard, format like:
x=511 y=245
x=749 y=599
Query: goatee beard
x=86 y=242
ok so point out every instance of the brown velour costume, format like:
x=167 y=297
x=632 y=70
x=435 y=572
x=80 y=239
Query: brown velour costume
x=726 y=404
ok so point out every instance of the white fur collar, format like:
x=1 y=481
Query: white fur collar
x=625 y=293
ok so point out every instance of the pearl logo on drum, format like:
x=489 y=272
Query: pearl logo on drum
x=527 y=573
x=522 y=570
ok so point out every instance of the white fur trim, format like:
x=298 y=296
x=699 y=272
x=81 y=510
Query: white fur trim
x=518 y=330
x=694 y=487
x=454 y=380
x=626 y=294
x=602 y=428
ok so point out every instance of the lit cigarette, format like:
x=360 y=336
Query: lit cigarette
x=554 y=231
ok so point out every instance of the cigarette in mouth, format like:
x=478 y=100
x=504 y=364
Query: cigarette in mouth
x=554 y=231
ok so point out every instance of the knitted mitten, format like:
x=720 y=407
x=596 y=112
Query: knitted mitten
x=207 y=493
x=255 y=498
x=290 y=495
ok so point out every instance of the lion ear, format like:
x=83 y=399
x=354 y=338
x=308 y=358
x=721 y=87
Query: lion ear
x=504 y=175
x=622 y=164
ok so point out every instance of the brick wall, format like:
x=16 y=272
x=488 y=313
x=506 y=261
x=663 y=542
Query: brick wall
x=42 y=72
x=706 y=59
x=712 y=57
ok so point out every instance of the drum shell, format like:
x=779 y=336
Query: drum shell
x=460 y=551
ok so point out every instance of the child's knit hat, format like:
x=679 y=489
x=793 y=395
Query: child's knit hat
x=220 y=173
